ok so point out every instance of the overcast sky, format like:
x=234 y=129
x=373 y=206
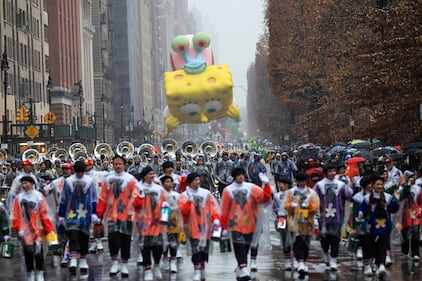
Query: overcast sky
x=234 y=27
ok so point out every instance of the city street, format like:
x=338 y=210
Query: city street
x=220 y=267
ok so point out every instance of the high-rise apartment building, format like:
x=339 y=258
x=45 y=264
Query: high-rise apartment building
x=24 y=39
x=102 y=54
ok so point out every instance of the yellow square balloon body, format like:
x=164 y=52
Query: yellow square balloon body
x=199 y=98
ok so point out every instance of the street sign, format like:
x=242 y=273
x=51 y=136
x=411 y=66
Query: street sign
x=31 y=131
x=50 y=117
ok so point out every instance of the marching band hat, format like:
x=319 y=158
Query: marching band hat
x=67 y=166
x=26 y=162
x=89 y=162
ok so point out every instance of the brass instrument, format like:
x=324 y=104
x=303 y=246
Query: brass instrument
x=103 y=150
x=190 y=148
x=170 y=146
x=146 y=149
x=209 y=147
x=50 y=152
x=3 y=156
x=79 y=156
x=32 y=155
x=61 y=155
x=125 y=149
x=77 y=148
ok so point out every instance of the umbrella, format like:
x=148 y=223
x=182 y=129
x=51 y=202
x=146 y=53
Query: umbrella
x=398 y=156
x=365 y=154
x=384 y=150
x=412 y=145
x=413 y=151
x=335 y=149
x=362 y=145
x=356 y=141
x=355 y=160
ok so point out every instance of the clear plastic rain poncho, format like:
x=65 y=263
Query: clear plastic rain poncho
x=199 y=209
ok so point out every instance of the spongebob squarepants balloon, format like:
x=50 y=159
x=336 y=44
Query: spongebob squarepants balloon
x=197 y=91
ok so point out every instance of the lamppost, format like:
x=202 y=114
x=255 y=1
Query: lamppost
x=121 y=119
x=131 y=123
x=103 y=100
x=81 y=100
x=4 y=68
x=49 y=89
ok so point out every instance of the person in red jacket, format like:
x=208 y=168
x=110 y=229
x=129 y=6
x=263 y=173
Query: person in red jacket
x=239 y=210
x=200 y=214
x=31 y=222
x=315 y=174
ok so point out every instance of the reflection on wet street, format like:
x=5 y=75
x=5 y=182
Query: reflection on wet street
x=221 y=266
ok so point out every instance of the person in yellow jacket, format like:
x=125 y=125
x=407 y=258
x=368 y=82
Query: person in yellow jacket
x=302 y=204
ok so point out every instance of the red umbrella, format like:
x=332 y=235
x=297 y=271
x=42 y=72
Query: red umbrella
x=355 y=160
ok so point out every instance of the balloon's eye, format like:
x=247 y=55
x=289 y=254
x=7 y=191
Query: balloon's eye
x=180 y=44
x=190 y=109
x=201 y=40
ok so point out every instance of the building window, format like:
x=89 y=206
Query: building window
x=25 y=55
x=7 y=8
x=35 y=2
x=45 y=33
x=46 y=63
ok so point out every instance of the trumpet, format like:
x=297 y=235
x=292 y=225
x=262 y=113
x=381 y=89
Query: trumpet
x=125 y=149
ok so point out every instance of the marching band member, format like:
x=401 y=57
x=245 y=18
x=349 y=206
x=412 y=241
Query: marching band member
x=30 y=220
x=302 y=204
x=4 y=224
x=200 y=213
x=204 y=173
x=137 y=166
x=155 y=165
x=283 y=184
x=333 y=195
x=411 y=196
x=98 y=178
x=239 y=208
x=223 y=172
x=78 y=202
x=16 y=188
x=377 y=207
x=148 y=207
x=359 y=227
x=115 y=206
x=173 y=226
x=53 y=191
x=168 y=168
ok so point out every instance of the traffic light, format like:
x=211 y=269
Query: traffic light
x=19 y=115
x=43 y=149
x=25 y=115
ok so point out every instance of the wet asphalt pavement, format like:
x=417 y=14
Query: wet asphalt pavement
x=221 y=266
